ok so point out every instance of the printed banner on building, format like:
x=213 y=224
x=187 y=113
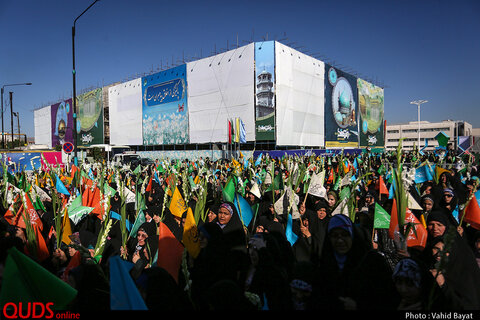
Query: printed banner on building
x=265 y=91
x=62 y=123
x=165 y=109
x=341 y=99
x=90 y=118
x=371 y=109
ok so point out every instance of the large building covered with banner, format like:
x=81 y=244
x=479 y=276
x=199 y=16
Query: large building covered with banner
x=263 y=96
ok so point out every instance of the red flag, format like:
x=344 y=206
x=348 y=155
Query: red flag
x=331 y=177
x=170 y=251
x=229 y=132
x=415 y=241
x=472 y=213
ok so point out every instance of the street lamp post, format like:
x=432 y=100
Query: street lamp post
x=1 y=95
x=74 y=102
x=419 y=103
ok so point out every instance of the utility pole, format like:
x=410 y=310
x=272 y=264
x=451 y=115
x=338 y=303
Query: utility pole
x=11 y=113
x=1 y=97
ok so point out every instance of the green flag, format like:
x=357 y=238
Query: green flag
x=38 y=204
x=229 y=190
x=77 y=214
x=138 y=222
x=77 y=202
x=277 y=183
x=382 y=218
x=24 y=280
x=381 y=171
x=344 y=193
x=109 y=190
x=76 y=211
x=336 y=186
x=137 y=170
x=192 y=183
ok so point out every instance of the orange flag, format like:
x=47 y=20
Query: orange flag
x=74 y=262
x=42 y=250
x=331 y=177
x=72 y=172
x=414 y=241
x=472 y=213
x=170 y=251
x=10 y=215
x=383 y=186
x=66 y=229
x=92 y=199
x=149 y=186
x=95 y=203
x=31 y=213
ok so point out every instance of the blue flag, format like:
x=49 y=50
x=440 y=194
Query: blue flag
x=455 y=214
x=245 y=163
x=243 y=208
x=90 y=174
x=259 y=159
x=243 y=132
x=61 y=187
x=265 y=303
x=117 y=216
x=423 y=173
x=291 y=236
x=124 y=294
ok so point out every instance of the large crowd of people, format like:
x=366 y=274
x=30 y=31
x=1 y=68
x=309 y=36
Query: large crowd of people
x=319 y=249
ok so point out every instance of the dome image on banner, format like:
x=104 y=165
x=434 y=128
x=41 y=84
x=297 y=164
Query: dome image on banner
x=370 y=102
x=343 y=104
x=61 y=121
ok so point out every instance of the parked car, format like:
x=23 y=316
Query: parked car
x=146 y=161
x=131 y=159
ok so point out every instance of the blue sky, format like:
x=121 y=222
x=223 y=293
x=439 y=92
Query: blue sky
x=422 y=49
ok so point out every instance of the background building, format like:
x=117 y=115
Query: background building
x=457 y=131
x=274 y=95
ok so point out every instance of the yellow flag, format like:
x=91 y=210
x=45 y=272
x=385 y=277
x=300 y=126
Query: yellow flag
x=177 y=205
x=66 y=229
x=66 y=180
x=190 y=235
x=237 y=129
x=439 y=171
